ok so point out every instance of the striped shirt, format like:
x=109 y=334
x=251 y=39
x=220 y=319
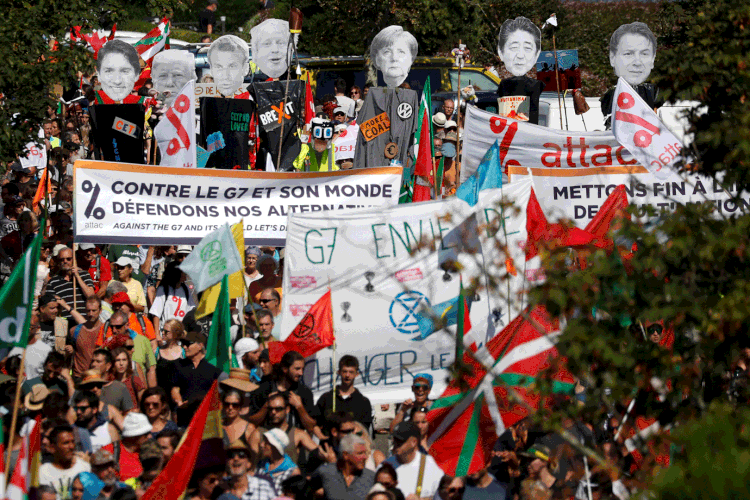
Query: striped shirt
x=63 y=288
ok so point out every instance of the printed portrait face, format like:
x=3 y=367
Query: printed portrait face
x=634 y=58
x=272 y=54
x=229 y=70
x=117 y=76
x=170 y=71
x=392 y=52
x=520 y=52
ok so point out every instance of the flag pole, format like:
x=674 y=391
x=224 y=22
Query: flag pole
x=333 y=329
x=14 y=418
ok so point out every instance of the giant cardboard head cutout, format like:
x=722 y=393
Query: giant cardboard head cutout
x=118 y=69
x=393 y=51
x=229 y=60
x=271 y=50
x=518 y=45
x=170 y=71
x=632 y=50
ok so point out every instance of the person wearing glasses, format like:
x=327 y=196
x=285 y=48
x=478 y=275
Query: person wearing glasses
x=242 y=481
x=236 y=428
x=155 y=406
x=101 y=431
x=452 y=488
x=270 y=300
x=421 y=388
x=113 y=392
x=121 y=323
x=66 y=278
x=93 y=382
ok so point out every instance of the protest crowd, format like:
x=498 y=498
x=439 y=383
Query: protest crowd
x=121 y=358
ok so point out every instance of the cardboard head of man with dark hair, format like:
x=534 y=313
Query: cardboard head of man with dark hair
x=229 y=61
x=393 y=51
x=519 y=43
x=632 y=51
x=118 y=68
x=271 y=49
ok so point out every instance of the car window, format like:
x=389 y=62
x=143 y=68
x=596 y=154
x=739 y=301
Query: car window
x=473 y=77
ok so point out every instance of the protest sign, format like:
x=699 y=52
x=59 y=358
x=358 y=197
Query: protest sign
x=176 y=134
x=280 y=103
x=346 y=142
x=576 y=171
x=225 y=124
x=135 y=204
x=118 y=132
x=384 y=283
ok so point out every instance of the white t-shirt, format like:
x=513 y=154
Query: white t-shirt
x=174 y=306
x=62 y=479
x=348 y=104
x=409 y=473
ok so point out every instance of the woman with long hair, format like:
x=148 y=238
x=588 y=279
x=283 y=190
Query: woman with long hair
x=156 y=408
x=123 y=371
x=169 y=350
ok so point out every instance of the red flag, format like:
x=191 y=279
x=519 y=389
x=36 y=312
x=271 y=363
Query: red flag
x=464 y=425
x=309 y=104
x=614 y=206
x=313 y=333
x=42 y=189
x=204 y=428
x=423 y=166
x=95 y=40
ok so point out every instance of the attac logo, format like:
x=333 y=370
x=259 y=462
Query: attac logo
x=376 y=126
x=126 y=127
x=299 y=309
x=303 y=281
x=409 y=274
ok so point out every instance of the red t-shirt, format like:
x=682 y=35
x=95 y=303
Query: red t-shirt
x=130 y=464
x=101 y=272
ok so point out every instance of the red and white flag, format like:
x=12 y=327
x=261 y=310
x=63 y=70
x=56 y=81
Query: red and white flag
x=155 y=40
x=175 y=133
x=637 y=127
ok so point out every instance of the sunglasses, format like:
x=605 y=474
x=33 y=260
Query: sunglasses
x=655 y=329
x=456 y=490
x=81 y=408
x=231 y=405
x=186 y=343
x=276 y=408
x=129 y=347
x=92 y=385
x=117 y=327
x=417 y=387
x=237 y=454
x=265 y=301
x=151 y=405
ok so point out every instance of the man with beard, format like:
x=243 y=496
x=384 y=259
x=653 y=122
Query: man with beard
x=287 y=379
x=101 y=431
x=104 y=466
x=243 y=484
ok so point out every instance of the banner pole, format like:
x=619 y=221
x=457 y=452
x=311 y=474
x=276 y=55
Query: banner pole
x=283 y=104
x=458 y=125
x=73 y=277
x=14 y=418
x=557 y=77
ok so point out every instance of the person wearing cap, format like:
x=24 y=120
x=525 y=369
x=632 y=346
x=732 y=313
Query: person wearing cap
x=67 y=277
x=105 y=467
x=152 y=462
x=65 y=465
x=123 y=322
x=438 y=123
x=51 y=325
x=192 y=378
x=418 y=473
x=339 y=115
x=348 y=397
x=135 y=431
x=348 y=477
x=12 y=209
x=90 y=257
x=538 y=485
x=101 y=431
x=86 y=486
x=92 y=381
x=207 y=17
x=124 y=269
x=138 y=322
x=242 y=482
x=274 y=461
x=421 y=388
x=114 y=252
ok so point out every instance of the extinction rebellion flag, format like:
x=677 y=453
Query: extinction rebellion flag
x=313 y=333
x=272 y=112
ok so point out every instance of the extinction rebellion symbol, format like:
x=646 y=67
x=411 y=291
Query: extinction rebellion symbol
x=305 y=327
x=404 y=311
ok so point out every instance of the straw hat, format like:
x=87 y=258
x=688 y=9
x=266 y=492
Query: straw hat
x=239 y=378
x=35 y=399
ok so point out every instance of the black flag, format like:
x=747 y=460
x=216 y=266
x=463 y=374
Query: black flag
x=270 y=99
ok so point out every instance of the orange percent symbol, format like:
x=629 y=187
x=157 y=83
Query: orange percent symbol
x=641 y=138
x=181 y=104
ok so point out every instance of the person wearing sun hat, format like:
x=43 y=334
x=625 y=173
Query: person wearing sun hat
x=274 y=462
x=135 y=431
x=34 y=400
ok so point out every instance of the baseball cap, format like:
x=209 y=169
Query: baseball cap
x=123 y=298
x=86 y=246
x=124 y=261
x=339 y=110
x=404 y=431
x=184 y=249
x=57 y=249
x=439 y=119
x=15 y=200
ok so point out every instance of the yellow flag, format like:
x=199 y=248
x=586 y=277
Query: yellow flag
x=207 y=304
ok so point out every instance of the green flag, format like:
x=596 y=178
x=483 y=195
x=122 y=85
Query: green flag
x=439 y=179
x=219 y=348
x=17 y=295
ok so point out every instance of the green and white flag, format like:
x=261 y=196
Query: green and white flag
x=213 y=258
x=17 y=295
x=219 y=346
x=424 y=103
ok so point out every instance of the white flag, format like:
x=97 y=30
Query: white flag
x=639 y=129
x=175 y=133
x=35 y=157
x=215 y=256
